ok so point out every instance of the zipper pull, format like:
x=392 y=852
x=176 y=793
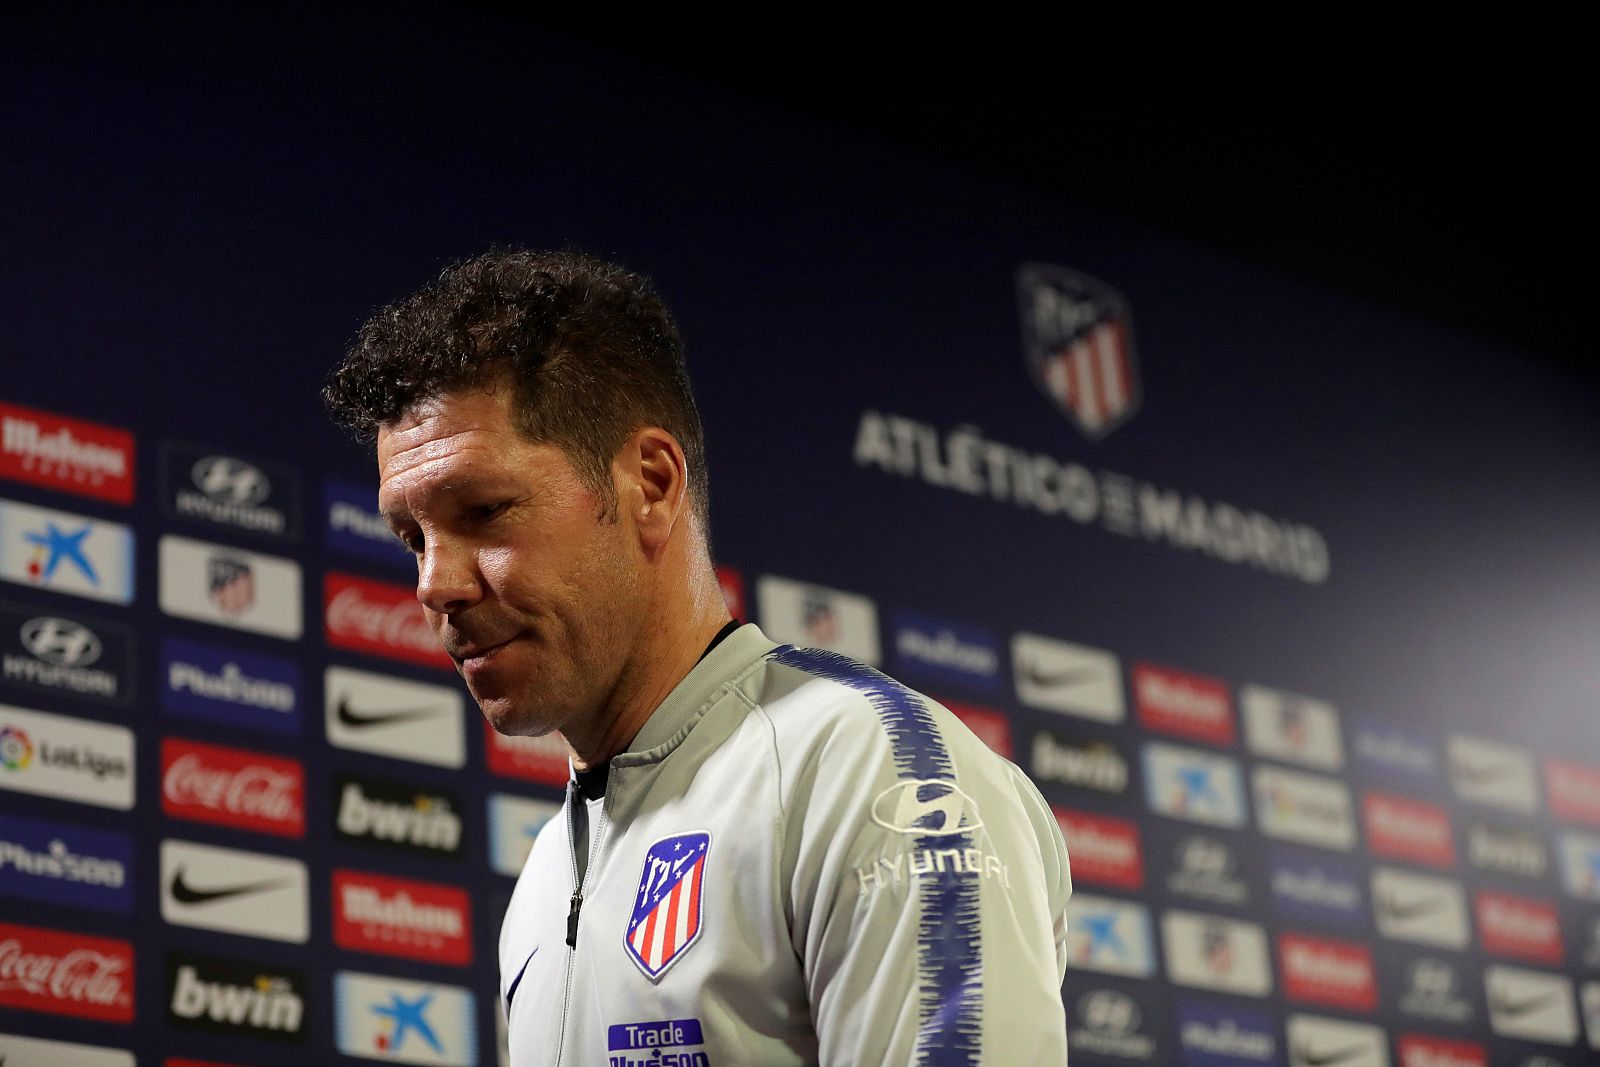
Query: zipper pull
x=572 y=918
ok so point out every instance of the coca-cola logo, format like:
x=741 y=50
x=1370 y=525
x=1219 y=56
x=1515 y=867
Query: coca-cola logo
x=254 y=790
x=396 y=623
x=379 y=618
x=84 y=975
x=232 y=786
x=66 y=973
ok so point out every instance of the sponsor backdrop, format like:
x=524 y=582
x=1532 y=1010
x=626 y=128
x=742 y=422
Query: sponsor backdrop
x=1286 y=604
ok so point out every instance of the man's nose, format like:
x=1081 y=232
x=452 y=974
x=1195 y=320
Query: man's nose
x=447 y=578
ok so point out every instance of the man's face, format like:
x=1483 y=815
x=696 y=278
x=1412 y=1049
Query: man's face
x=534 y=594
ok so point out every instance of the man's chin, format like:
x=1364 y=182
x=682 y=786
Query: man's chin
x=508 y=719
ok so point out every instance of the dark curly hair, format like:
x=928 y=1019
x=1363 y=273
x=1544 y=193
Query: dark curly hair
x=590 y=350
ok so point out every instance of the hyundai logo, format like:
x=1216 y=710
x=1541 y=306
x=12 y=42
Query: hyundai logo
x=60 y=641
x=230 y=480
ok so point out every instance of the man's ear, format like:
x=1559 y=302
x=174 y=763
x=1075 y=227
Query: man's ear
x=656 y=464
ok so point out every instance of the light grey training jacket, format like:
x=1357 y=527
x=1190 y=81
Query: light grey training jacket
x=797 y=861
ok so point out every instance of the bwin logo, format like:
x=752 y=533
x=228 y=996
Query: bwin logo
x=925 y=807
x=230 y=481
x=60 y=641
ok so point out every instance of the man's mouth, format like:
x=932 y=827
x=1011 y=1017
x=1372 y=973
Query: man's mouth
x=478 y=653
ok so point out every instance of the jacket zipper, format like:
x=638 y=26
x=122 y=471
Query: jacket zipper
x=573 y=799
x=576 y=903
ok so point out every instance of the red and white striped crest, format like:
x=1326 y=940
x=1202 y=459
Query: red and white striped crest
x=1078 y=338
x=667 y=906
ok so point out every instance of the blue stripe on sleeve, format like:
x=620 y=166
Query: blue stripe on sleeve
x=949 y=943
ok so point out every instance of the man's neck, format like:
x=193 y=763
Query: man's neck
x=654 y=674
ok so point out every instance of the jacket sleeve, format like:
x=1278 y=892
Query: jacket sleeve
x=928 y=900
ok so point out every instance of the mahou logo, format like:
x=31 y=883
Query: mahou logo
x=1573 y=791
x=232 y=787
x=1187 y=705
x=1323 y=971
x=1104 y=851
x=538 y=759
x=66 y=973
x=1419 y=1051
x=1408 y=830
x=380 y=619
x=66 y=454
x=398 y=917
x=992 y=727
x=1519 y=926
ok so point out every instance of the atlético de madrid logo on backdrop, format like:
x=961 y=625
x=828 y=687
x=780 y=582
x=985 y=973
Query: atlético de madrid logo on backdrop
x=1077 y=338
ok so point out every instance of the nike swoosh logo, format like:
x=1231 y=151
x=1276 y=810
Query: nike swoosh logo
x=1034 y=674
x=348 y=716
x=184 y=893
x=511 y=990
x=1505 y=1005
x=1397 y=910
x=1304 y=1057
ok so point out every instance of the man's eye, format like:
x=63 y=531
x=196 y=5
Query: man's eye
x=413 y=543
x=487 y=511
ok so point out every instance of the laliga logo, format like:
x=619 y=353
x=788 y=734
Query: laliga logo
x=230 y=481
x=16 y=751
x=1077 y=339
x=925 y=807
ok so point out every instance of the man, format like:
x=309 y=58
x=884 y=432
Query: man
x=767 y=855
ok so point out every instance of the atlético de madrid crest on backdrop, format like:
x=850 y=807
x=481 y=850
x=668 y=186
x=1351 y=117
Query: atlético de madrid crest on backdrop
x=1077 y=337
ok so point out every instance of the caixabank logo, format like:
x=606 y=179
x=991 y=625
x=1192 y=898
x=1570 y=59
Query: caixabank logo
x=377 y=1017
x=45 y=549
x=1109 y=936
x=1077 y=340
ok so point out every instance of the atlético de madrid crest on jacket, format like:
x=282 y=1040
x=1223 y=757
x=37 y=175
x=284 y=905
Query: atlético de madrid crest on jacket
x=1078 y=339
x=666 y=907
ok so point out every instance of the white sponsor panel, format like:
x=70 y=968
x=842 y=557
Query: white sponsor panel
x=1420 y=908
x=1580 y=864
x=392 y=1019
x=32 y=1052
x=1316 y=1041
x=813 y=616
x=395 y=717
x=1589 y=998
x=1308 y=808
x=227 y=586
x=1210 y=952
x=1487 y=772
x=72 y=759
x=1292 y=728
x=1535 y=1005
x=237 y=892
x=66 y=553
x=513 y=824
x=1072 y=679
x=1109 y=936
x=1188 y=783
